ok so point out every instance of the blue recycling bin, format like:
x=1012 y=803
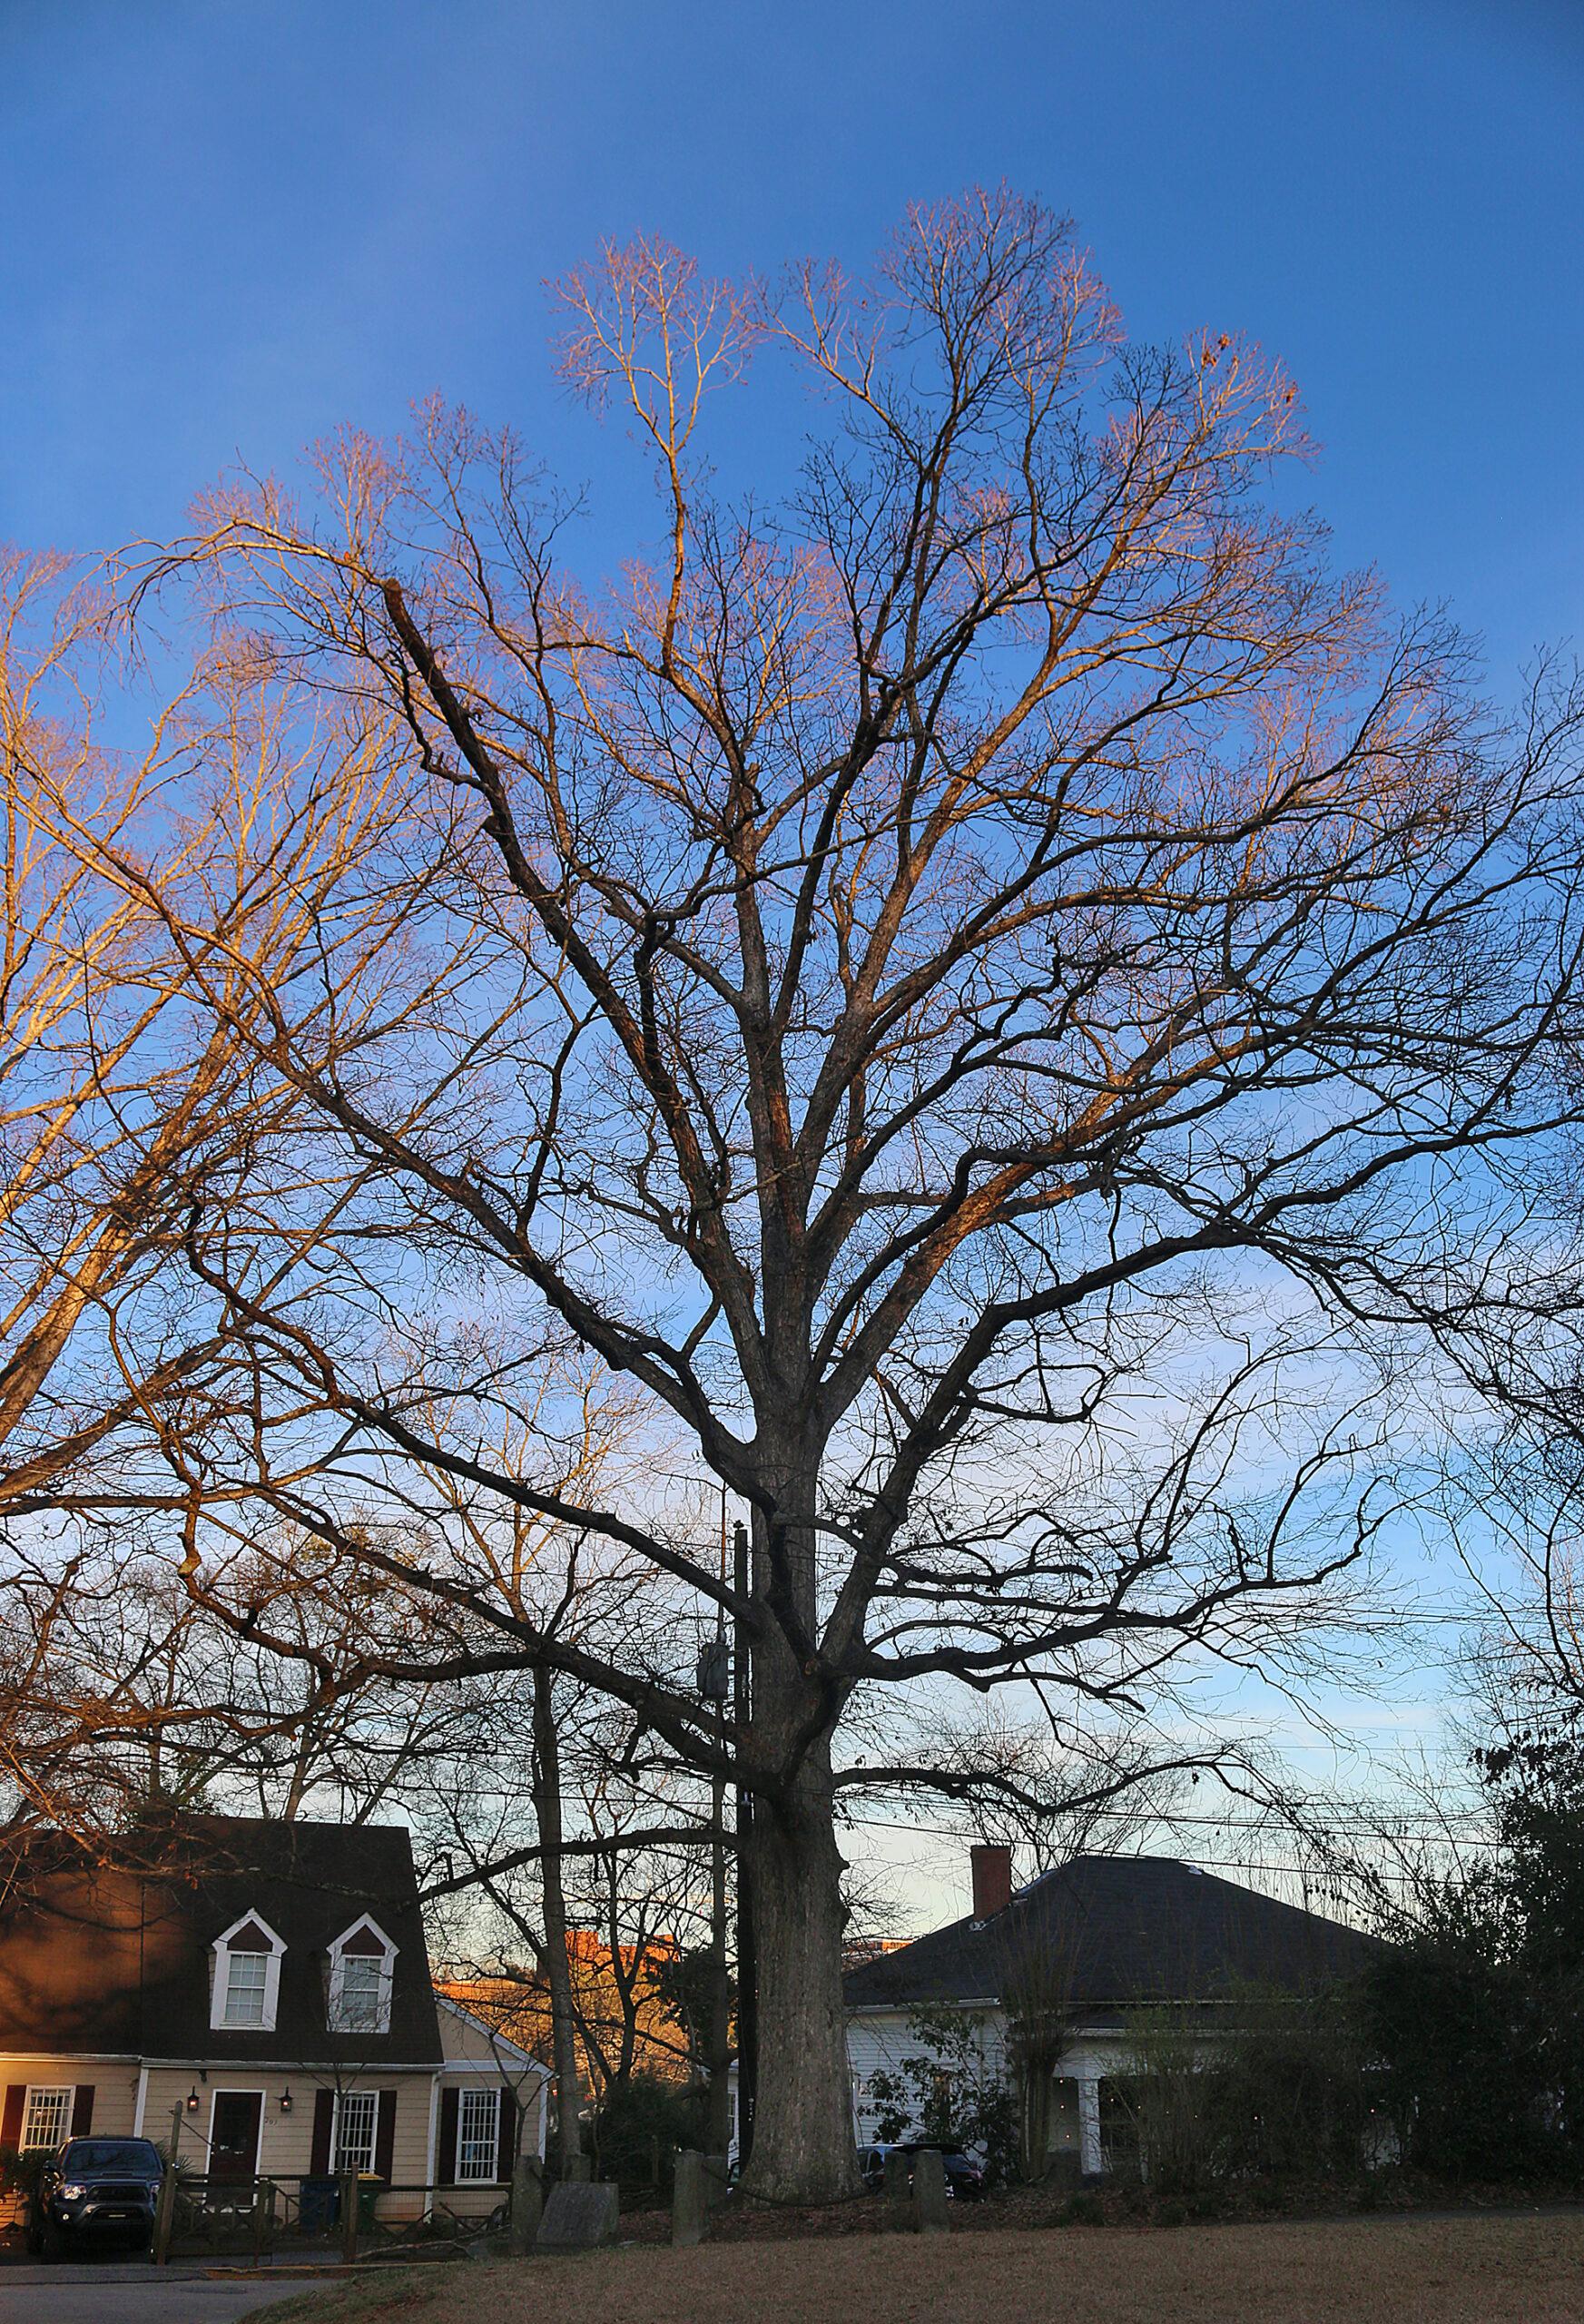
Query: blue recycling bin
x=319 y=2205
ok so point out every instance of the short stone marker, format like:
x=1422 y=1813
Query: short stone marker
x=929 y=2212
x=690 y=2198
x=578 y=2216
x=899 y=2190
x=527 y=2205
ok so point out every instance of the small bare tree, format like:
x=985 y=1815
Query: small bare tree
x=132 y=1114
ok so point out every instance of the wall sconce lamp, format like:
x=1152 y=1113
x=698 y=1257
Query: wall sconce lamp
x=192 y=2100
x=286 y=2100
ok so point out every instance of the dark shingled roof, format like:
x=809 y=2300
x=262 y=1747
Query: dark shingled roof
x=1122 y=1930
x=118 y=1960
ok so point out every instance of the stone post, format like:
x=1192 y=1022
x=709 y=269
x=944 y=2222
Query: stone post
x=527 y=2205
x=898 y=2191
x=689 y=2197
x=929 y=2212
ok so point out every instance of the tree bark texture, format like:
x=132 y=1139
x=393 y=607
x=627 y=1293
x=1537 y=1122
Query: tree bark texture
x=804 y=2146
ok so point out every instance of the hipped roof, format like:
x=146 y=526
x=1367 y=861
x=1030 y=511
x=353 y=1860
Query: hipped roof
x=1114 y=1932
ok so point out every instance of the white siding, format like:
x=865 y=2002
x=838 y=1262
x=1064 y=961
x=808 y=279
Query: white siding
x=879 y=2042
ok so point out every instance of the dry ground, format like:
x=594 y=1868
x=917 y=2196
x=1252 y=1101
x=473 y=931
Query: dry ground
x=1374 y=2271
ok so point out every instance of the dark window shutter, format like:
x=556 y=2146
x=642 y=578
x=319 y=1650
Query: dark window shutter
x=507 y=2151
x=446 y=2160
x=11 y=2125
x=324 y=2115
x=385 y=2135
x=83 y=2110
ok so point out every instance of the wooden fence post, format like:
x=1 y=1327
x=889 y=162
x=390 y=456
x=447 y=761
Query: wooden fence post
x=263 y=2217
x=165 y=2216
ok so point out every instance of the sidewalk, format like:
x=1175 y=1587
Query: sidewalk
x=115 y=2292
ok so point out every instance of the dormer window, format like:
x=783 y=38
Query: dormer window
x=362 y=1969
x=246 y=1986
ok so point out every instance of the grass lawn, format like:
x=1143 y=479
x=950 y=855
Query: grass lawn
x=1373 y=2272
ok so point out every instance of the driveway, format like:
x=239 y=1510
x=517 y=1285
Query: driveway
x=132 y=2293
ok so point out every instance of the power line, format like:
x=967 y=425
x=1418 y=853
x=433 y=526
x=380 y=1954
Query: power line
x=1166 y=1820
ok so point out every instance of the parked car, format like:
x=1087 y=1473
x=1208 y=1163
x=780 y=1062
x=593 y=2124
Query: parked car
x=965 y=2182
x=94 y=2189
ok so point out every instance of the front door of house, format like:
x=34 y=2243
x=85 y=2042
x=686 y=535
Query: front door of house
x=234 y=2142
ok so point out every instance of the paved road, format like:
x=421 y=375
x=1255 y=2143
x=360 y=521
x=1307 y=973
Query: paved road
x=110 y=2293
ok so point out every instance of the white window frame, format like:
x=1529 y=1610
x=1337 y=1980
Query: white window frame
x=367 y=2105
x=219 y=1991
x=247 y=1981
x=53 y=2094
x=335 y=2003
x=490 y=2091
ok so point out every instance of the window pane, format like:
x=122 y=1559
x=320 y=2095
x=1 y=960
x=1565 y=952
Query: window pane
x=246 y=1974
x=356 y=2114
x=360 y=2006
x=49 y=2115
x=477 y=2135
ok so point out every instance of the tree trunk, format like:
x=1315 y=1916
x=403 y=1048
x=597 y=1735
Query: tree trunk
x=803 y=2143
x=1034 y=2089
x=803 y=2149
x=563 y=2031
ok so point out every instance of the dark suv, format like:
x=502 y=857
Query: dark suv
x=95 y=2188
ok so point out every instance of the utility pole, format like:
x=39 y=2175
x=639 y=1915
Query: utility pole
x=715 y=1687
x=747 y=1970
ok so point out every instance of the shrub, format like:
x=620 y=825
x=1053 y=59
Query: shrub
x=1083 y=2211
x=951 y=2093
x=1276 y=2089
x=19 y=2172
x=1478 y=2010
x=640 y=2127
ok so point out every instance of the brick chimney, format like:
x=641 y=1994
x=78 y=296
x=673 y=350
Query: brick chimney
x=992 y=1880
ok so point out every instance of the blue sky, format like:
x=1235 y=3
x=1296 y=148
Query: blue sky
x=231 y=225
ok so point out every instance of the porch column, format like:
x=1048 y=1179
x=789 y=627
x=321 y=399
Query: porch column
x=1091 y=2161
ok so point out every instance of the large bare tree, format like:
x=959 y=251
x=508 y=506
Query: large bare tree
x=1001 y=995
